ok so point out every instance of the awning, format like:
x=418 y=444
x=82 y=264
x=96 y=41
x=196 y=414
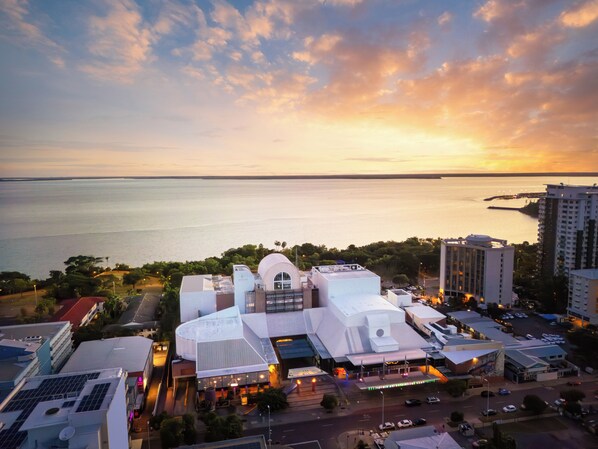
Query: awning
x=309 y=371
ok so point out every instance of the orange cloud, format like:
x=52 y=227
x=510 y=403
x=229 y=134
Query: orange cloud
x=581 y=15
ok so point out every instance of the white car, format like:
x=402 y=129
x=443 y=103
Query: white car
x=404 y=423
x=529 y=336
x=432 y=400
x=386 y=426
x=509 y=409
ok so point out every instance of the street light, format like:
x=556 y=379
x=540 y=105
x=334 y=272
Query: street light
x=149 y=444
x=382 y=393
x=269 y=430
x=487 y=395
x=35 y=291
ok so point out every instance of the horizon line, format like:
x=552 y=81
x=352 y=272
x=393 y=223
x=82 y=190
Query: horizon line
x=318 y=176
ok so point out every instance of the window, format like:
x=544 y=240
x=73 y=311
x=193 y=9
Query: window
x=282 y=281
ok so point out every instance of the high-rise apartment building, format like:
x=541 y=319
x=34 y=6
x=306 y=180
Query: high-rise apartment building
x=567 y=230
x=478 y=266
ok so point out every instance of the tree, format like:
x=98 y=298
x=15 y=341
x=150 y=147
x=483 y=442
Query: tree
x=132 y=277
x=574 y=408
x=87 y=265
x=455 y=387
x=329 y=401
x=572 y=395
x=456 y=416
x=220 y=428
x=534 y=404
x=501 y=440
x=273 y=397
x=400 y=279
x=171 y=433
x=189 y=432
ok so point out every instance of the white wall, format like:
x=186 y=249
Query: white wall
x=336 y=287
x=244 y=281
x=116 y=419
x=194 y=303
x=498 y=285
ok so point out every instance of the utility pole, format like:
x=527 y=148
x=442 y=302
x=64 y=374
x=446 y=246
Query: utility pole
x=382 y=393
x=269 y=430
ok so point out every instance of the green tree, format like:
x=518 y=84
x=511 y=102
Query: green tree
x=456 y=416
x=132 y=277
x=455 y=387
x=220 y=428
x=171 y=433
x=534 y=404
x=87 y=265
x=189 y=432
x=573 y=395
x=329 y=401
x=273 y=397
x=574 y=408
x=400 y=279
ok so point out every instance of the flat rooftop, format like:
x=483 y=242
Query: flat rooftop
x=33 y=331
x=344 y=271
x=207 y=282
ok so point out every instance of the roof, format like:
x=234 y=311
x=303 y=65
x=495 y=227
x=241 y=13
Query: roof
x=348 y=271
x=141 y=309
x=545 y=351
x=589 y=273
x=197 y=283
x=458 y=357
x=436 y=440
x=128 y=353
x=226 y=357
x=350 y=305
x=423 y=311
x=74 y=310
x=270 y=260
x=251 y=442
x=522 y=359
x=25 y=331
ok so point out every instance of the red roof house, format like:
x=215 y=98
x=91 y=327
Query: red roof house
x=79 y=311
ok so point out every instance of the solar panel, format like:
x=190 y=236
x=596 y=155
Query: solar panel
x=93 y=401
x=26 y=400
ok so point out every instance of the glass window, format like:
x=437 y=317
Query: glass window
x=282 y=281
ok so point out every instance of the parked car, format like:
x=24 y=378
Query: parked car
x=404 y=423
x=489 y=412
x=529 y=336
x=509 y=409
x=559 y=402
x=412 y=402
x=386 y=426
x=465 y=429
x=503 y=392
x=419 y=422
x=574 y=383
x=432 y=400
x=480 y=443
x=486 y=393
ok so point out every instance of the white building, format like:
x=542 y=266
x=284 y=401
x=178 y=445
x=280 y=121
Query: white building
x=200 y=295
x=399 y=297
x=73 y=411
x=335 y=316
x=567 y=230
x=583 y=296
x=133 y=354
x=478 y=266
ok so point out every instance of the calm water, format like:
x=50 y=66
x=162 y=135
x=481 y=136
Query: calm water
x=138 y=221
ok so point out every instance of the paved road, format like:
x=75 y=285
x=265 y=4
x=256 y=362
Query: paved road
x=326 y=428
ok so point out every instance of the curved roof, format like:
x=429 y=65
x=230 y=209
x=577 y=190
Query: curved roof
x=269 y=261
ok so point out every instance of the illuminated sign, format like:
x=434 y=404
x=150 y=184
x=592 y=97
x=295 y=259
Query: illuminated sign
x=401 y=384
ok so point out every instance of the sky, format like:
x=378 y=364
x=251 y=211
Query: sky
x=294 y=87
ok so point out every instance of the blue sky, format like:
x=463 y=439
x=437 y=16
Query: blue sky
x=118 y=87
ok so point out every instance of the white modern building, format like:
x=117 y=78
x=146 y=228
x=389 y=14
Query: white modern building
x=477 y=266
x=133 y=354
x=583 y=296
x=567 y=230
x=72 y=411
x=333 y=316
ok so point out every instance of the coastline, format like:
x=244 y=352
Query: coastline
x=295 y=177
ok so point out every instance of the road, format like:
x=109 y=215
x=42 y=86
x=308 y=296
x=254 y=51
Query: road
x=327 y=429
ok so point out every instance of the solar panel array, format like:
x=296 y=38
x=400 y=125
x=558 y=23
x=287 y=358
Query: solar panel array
x=93 y=401
x=25 y=401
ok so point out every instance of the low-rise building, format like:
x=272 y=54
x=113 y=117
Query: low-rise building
x=32 y=349
x=420 y=437
x=79 y=311
x=78 y=410
x=133 y=354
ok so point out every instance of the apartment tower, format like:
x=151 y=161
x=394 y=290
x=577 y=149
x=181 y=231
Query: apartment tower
x=567 y=229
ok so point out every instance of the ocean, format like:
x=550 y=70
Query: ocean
x=134 y=221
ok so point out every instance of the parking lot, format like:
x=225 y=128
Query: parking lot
x=536 y=326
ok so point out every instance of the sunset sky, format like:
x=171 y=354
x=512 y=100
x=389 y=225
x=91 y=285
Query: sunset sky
x=118 y=87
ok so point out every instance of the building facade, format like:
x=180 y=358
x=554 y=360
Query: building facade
x=478 y=266
x=567 y=230
x=583 y=296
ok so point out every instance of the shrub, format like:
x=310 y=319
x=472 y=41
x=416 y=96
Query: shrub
x=534 y=404
x=456 y=416
x=329 y=401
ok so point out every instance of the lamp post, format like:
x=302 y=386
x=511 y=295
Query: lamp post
x=269 y=430
x=149 y=444
x=382 y=393
x=487 y=395
x=35 y=292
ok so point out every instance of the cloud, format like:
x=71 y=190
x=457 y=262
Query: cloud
x=581 y=15
x=119 y=43
x=445 y=18
x=17 y=15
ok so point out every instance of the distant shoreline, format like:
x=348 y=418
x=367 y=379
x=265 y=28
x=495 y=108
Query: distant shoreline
x=295 y=177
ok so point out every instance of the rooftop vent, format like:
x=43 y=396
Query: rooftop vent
x=52 y=411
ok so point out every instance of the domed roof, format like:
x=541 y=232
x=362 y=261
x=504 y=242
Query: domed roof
x=269 y=261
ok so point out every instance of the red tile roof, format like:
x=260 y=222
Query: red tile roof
x=74 y=310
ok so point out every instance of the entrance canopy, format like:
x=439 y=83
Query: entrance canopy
x=309 y=371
